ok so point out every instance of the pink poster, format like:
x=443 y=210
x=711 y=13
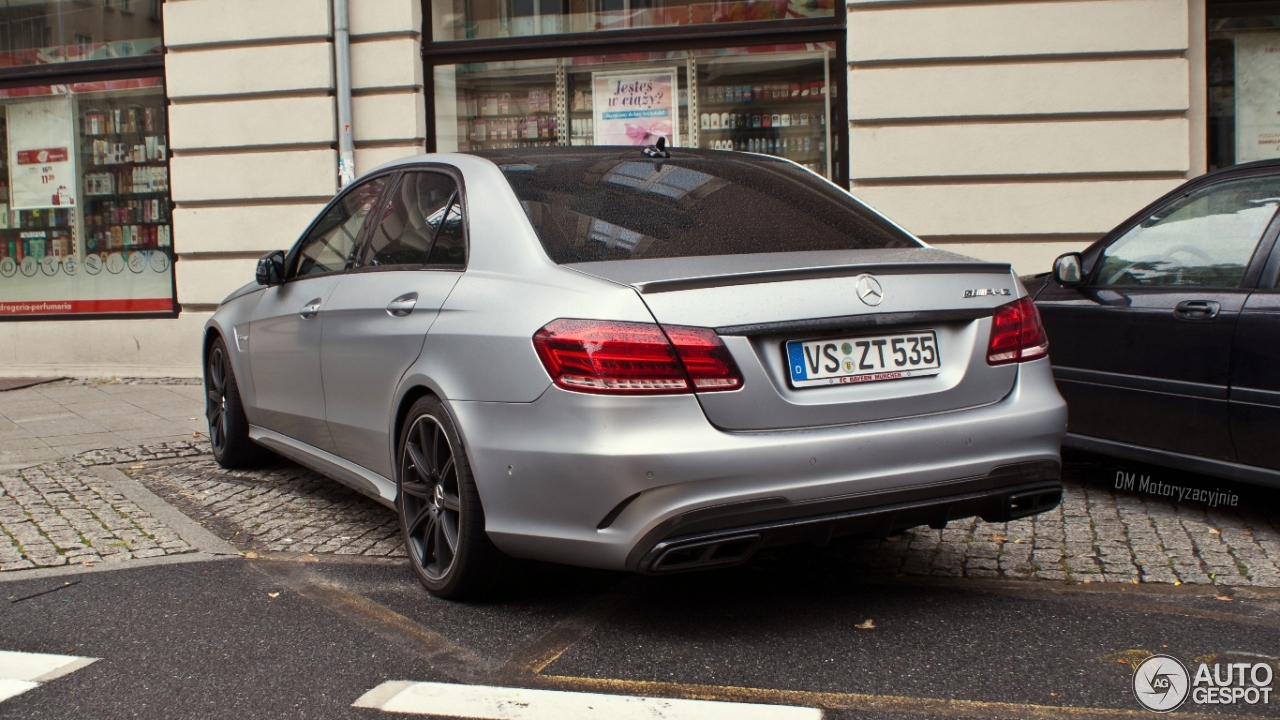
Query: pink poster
x=635 y=108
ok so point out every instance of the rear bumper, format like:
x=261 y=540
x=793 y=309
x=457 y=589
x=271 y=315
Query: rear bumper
x=602 y=481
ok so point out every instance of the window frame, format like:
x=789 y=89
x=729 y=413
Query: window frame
x=291 y=258
x=461 y=194
x=1253 y=269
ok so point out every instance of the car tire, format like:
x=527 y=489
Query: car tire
x=441 y=518
x=228 y=426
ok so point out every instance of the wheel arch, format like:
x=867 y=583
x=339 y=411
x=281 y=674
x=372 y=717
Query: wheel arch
x=413 y=390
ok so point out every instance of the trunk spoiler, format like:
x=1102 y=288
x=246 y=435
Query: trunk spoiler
x=813 y=273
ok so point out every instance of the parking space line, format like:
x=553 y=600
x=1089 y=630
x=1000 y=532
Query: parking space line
x=502 y=703
x=20 y=671
x=977 y=709
x=446 y=656
x=535 y=657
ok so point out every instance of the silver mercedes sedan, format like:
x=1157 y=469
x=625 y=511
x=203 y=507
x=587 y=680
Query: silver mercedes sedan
x=654 y=360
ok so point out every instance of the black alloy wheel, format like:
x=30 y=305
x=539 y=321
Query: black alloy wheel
x=430 y=507
x=228 y=426
x=216 y=397
x=441 y=518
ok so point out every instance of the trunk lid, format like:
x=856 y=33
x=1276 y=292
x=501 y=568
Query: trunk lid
x=759 y=302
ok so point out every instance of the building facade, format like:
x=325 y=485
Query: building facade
x=152 y=151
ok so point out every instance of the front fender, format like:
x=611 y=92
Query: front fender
x=231 y=317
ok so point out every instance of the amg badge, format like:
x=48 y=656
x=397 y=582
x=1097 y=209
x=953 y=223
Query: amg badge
x=982 y=292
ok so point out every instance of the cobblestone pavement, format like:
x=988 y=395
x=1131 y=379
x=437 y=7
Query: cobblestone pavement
x=1096 y=535
x=59 y=513
x=282 y=507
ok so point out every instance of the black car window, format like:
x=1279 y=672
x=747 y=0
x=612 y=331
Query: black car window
x=1203 y=239
x=332 y=241
x=420 y=207
x=450 y=248
x=585 y=207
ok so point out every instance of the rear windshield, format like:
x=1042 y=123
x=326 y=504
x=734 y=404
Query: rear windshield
x=623 y=206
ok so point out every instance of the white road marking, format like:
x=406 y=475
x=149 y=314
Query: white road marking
x=9 y=688
x=20 y=672
x=498 y=703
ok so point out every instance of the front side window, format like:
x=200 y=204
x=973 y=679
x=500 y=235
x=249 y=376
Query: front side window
x=332 y=241
x=1203 y=239
x=416 y=221
x=587 y=205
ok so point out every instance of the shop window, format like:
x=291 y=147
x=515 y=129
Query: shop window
x=54 y=32
x=477 y=19
x=775 y=100
x=1243 y=73
x=85 y=221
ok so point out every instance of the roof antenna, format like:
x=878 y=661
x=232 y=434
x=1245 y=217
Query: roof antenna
x=658 y=149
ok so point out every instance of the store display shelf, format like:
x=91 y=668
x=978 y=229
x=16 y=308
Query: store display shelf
x=126 y=248
x=763 y=105
x=129 y=164
x=107 y=196
x=120 y=134
x=511 y=115
x=816 y=130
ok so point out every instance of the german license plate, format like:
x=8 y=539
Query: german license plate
x=870 y=358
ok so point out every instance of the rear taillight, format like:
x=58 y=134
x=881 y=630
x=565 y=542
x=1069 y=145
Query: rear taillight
x=1016 y=334
x=599 y=356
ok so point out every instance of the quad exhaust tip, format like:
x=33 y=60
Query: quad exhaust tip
x=1024 y=504
x=704 y=554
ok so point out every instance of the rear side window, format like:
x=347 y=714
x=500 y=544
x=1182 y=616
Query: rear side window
x=586 y=208
x=419 y=225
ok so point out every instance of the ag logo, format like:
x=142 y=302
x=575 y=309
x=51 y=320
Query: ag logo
x=868 y=290
x=1161 y=683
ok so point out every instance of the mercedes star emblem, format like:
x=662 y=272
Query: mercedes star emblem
x=869 y=290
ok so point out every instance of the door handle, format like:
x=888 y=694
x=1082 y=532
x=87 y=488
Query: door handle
x=1197 y=309
x=311 y=309
x=403 y=305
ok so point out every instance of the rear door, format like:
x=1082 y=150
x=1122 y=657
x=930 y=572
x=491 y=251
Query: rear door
x=379 y=315
x=1255 y=373
x=1142 y=351
x=286 y=326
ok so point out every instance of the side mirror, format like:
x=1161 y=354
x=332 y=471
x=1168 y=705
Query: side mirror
x=1067 y=270
x=270 y=269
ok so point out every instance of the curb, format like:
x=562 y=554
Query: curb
x=189 y=530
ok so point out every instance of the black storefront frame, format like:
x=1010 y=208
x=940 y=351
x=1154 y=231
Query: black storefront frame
x=684 y=37
x=131 y=68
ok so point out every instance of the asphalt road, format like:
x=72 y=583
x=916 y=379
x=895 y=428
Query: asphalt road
x=277 y=638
